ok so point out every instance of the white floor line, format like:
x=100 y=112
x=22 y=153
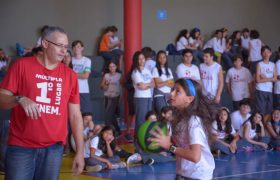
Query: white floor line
x=243 y=174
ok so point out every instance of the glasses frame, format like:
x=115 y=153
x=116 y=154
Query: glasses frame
x=62 y=46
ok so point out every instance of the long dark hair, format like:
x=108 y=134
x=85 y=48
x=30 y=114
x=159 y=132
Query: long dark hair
x=182 y=33
x=251 y=120
x=201 y=106
x=135 y=63
x=228 y=127
x=102 y=144
x=107 y=70
x=158 y=64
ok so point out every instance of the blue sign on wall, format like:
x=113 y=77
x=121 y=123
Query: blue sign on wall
x=162 y=14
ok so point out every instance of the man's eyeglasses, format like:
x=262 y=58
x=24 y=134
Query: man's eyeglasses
x=59 y=45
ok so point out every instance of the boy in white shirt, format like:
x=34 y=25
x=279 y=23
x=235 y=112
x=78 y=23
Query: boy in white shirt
x=239 y=82
x=186 y=69
x=276 y=98
x=211 y=74
x=82 y=66
x=265 y=77
x=238 y=117
x=150 y=64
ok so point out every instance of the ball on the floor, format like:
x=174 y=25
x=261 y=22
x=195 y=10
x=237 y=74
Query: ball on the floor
x=144 y=133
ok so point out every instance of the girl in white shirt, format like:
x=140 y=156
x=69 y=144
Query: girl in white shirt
x=182 y=40
x=226 y=136
x=252 y=133
x=192 y=131
x=111 y=84
x=143 y=84
x=99 y=151
x=163 y=81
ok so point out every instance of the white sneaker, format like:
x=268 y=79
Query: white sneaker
x=95 y=168
x=133 y=159
x=118 y=165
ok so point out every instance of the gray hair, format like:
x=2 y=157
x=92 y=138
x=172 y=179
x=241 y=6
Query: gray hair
x=50 y=30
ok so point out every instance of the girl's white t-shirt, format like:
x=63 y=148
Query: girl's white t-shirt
x=182 y=43
x=195 y=135
x=219 y=45
x=252 y=132
x=277 y=83
x=239 y=79
x=144 y=76
x=221 y=134
x=266 y=70
x=210 y=79
x=189 y=72
x=163 y=77
x=114 y=88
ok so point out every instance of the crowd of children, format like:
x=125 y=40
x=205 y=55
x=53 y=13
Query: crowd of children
x=252 y=81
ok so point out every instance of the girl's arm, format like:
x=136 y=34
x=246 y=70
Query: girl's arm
x=159 y=83
x=109 y=149
x=262 y=134
x=84 y=75
x=246 y=136
x=270 y=130
x=192 y=153
x=104 y=84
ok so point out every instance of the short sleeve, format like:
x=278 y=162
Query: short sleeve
x=94 y=142
x=196 y=132
x=74 y=95
x=249 y=76
x=88 y=65
x=12 y=79
x=136 y=77
x=232 y=131
x=155 y=73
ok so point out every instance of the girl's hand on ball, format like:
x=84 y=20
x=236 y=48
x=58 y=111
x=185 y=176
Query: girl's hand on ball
x=160 y=139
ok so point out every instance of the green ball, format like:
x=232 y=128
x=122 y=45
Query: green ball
x=144 y=133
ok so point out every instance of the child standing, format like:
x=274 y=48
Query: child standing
x=150 y=64
x=143 y=84
x=99 y=152
x=212 y=76
x=226 y=136
x=192 y=132
x=186 y=69
x=82 y=66
x=163 y=81
x=265 y=77
x=255 y=45
x=276 y=102
x=111 y=84
x=239 y=82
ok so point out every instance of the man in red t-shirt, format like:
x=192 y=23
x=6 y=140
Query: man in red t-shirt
x=42 y=92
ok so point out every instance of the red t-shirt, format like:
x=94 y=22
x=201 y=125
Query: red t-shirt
x=52 y=90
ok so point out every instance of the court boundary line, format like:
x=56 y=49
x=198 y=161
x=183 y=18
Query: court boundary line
x=243 y=174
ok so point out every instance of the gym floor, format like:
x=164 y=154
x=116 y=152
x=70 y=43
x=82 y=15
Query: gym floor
x=246 y=165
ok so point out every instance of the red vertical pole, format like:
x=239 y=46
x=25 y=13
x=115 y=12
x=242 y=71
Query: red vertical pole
x=132 y=35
